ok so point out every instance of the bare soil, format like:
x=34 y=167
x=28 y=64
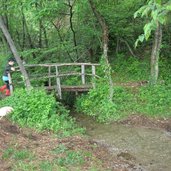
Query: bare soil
x=42 y=144
x=144 y=121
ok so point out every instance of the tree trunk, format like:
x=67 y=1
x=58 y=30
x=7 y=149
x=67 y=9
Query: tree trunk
x=40 y=33
x=105 y=30
x=71 y=26
x=23 y=29
x=62 y=41
x=155 y=54
x=45 y=36
x=15 y=53
x=29 y=36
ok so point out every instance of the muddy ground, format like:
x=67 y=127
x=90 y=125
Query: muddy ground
x=45 y=150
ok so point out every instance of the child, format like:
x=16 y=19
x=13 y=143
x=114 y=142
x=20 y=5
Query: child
x=9 y=68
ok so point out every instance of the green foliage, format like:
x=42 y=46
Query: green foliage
x=71 y=158
x=154 y=101
x=165 y=70
x=156 y=12
x=7 y=153
x=130 y=69
x=39 y=110
x=97 y=104
x=16 y=154
x=67 y=156
x=22 y=154
x=46 y=165
x=3 y=61
x=124 y=100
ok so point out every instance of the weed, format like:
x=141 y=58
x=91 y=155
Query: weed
x=60 y=149
x=22 y=155
x=23 y=166
x=71 y=158
x=41 y=111
x=7 y=153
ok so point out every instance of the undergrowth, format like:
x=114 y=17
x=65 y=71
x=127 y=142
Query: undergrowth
x=153 y=101
x=37 y=109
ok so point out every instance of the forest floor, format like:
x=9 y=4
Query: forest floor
x=25 y=149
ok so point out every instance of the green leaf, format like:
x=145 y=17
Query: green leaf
x=154 y=15
x=158 y=2
x=147 y=30
x=140 y=11
x=168 y=7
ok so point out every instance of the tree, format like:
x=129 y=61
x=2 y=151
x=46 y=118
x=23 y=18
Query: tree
x=15 y=53
x=157 y=11
x=105 y=38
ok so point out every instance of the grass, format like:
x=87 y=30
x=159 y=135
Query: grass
x=60 y=158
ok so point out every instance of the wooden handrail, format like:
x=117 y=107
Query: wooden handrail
x=57 y=75
x=61 y=64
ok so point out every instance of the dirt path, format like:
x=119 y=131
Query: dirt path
x=25 y=149
x=36 y=151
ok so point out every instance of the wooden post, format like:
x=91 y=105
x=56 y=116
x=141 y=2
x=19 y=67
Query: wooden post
x=49 y=74
x=83 y=74
x=10 y=83
x=93 y=75
x=58 y=83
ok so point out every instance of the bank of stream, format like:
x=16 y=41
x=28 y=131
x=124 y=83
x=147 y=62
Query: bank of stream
x=148 y=148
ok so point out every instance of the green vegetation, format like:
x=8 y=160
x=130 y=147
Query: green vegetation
x=132 y=96
x=97 y=104
x=17 y=154
x=62 y=158
x=41 y=111
x=132 y=36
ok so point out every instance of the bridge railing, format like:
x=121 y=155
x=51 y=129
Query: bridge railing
x=54 y=72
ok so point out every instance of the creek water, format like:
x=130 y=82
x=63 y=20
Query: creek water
x=148 y=148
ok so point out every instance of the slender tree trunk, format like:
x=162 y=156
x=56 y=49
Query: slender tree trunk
x=23 y=29
x=29 y=36
x=15 y=53
x=18 y=38
x=45 y=36
x=155 y=54
x=40 y=33
x=6 y=21
x=129 y=48
x=71 y=26
x=105 y=30
x=62 y=41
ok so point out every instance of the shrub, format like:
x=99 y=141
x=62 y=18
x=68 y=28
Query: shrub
x=130 y=68
x=155 y=100
x=97 y=104
x=39 y=110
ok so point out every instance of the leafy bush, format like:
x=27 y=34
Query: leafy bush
x=124 y=100
x=39 y=110
x=130 y=68
x=165 y=70
x=155 y=100
x=97 y=104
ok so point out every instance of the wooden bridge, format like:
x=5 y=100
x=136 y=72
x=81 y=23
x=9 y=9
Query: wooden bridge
x=53 y=75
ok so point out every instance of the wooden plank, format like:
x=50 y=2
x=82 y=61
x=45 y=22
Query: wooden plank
x=72 y=88
x=58 y=83
x=83 y=74
x=61 y=64
x=60 y=75
x=81 y=87
x=49 y=74
x=93 y=75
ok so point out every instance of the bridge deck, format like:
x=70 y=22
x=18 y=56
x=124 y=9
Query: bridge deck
x=80 y=88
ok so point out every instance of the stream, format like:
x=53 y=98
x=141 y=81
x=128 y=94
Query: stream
x=149 y=149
